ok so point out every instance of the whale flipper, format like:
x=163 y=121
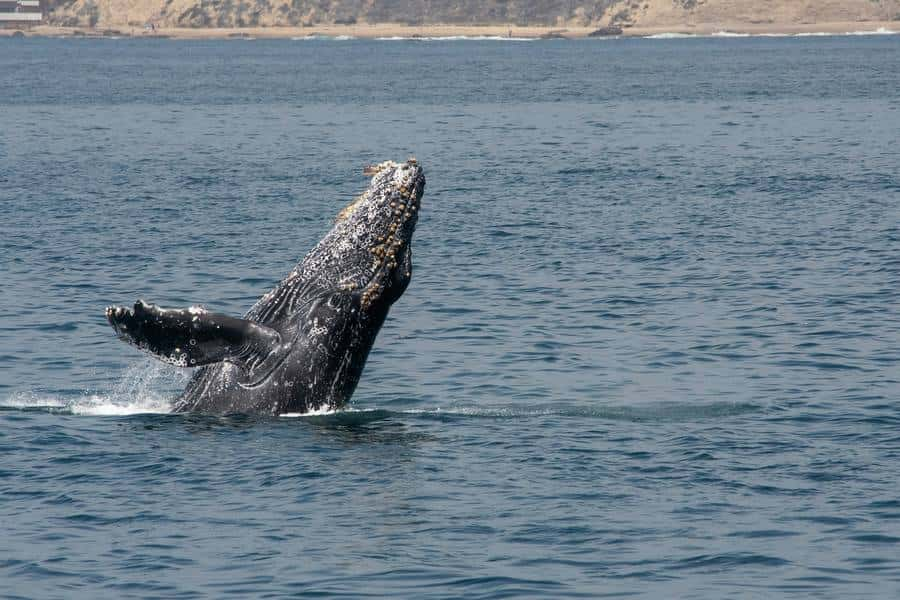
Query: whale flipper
x=192 y=337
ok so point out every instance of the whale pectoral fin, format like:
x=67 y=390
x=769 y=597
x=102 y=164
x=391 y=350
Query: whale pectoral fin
x=193 y=337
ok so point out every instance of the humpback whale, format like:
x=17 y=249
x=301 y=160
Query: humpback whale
x=303 y=345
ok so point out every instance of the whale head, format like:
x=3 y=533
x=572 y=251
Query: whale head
x=370 y=245
x=357 y=272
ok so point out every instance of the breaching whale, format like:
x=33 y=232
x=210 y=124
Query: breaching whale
x=303 y=345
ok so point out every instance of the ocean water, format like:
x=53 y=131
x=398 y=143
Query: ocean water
x=651 y=347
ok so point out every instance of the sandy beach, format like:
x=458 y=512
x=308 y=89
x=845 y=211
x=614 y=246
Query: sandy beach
x=389 y=30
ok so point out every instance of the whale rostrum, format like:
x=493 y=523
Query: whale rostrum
x=303 y=345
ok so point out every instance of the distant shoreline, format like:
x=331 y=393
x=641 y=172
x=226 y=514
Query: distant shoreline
x=399 y=31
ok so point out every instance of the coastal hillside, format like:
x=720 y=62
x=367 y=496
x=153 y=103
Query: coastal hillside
x=692 y=13
x=547 y=13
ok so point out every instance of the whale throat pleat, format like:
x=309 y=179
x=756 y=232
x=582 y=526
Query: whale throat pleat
x=285 y=299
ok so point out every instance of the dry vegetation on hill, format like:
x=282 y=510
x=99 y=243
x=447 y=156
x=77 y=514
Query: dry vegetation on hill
x=550 y=13
x=662 y=13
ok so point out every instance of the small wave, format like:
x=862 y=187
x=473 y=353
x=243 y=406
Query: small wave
x=325 y=38
x=345 y=417
x=713 y=562
x=480 y=38
x=648 y=412
x=879 y=31
x=455 y=38
x=729 y=34
x=666 y=411
x=736 y=34
x=669 y=36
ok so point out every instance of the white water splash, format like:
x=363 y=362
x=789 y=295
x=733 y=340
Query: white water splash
x=318 y=412
x=33 y=400
x=142 y=390
x=106 y=406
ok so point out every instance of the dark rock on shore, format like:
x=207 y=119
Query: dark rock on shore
x=554 y=35
x=606 y=31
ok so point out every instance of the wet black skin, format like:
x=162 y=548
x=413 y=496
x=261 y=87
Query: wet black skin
x=303 y=345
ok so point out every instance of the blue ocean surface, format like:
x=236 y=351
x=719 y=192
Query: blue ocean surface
x=651 y=347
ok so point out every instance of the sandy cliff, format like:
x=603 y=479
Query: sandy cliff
x=662 y=14
x=284 y=13
x=697 y=13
